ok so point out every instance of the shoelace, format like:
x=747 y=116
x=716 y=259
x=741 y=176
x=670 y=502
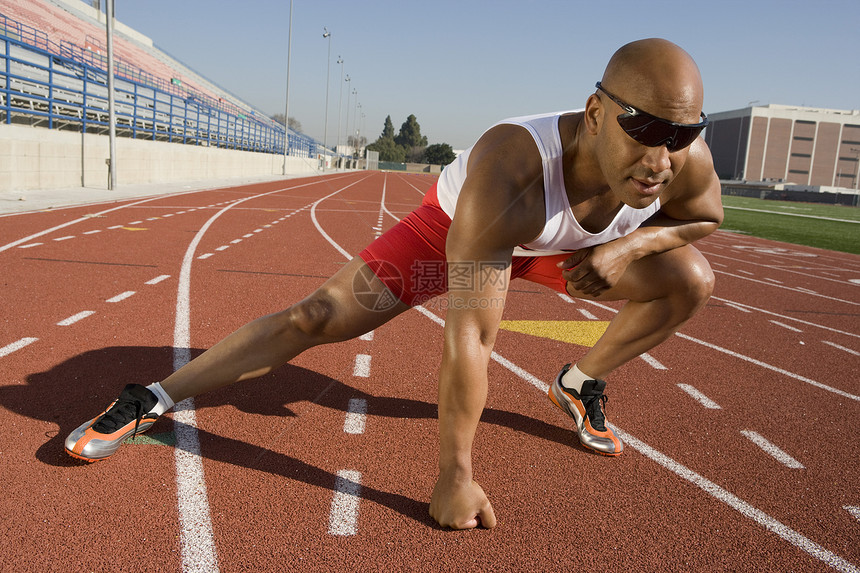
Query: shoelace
x=119 y=415
x=594 y=408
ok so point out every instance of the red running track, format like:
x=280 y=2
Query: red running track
x=741 y=432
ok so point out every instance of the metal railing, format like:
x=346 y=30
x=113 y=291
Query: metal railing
x=64 y=86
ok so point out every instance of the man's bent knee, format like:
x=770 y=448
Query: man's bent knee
x=692 y=279
x=314 y=317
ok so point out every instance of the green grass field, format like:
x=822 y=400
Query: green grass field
x=792 y=222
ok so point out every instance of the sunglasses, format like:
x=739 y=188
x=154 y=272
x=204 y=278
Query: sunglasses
x=652 y=131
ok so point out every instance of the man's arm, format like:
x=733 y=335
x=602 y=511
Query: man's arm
x=493 y=215
x=692 y=209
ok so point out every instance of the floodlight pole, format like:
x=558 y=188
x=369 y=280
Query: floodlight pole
x=339 y=107
x=287 y=108
x=109 y=7
x=326 y=34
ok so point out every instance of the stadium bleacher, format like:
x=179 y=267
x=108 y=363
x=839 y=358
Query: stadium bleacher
x=57 y=63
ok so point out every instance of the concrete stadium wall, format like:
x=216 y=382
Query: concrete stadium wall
x=39 y=158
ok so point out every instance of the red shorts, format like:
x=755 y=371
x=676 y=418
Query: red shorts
x=409 y=258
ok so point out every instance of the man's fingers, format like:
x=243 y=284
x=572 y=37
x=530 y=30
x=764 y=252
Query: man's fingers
x=487 y=516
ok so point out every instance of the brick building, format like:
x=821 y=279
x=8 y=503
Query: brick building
x=797 y=145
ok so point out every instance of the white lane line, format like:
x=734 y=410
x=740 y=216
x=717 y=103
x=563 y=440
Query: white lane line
x=564 y=297
x=368 y=336
x=248 y=236
x=343 y=517
x=30 y=246
x=205 y=256
x=787 y=327
x=222 y=248
x=746 y=272
x=848 y=350
x=66 y=238
x=362 y=366
x=797 y=539
x=772 y=449
x=75 y=318
x=135 y=222
x=774 y=281
x=699 y=397
x=742 y=306
x=157 y=279
x=356 y=415
x=769 y=367
x=235 y=241
x=121 y=296
x=15 y=346
x=792 y=289
x=115 y=227
x=79 y=220
x=853 y=510
x=651 y=361
x=196 y=540
x=93 y=232
x=586 y=314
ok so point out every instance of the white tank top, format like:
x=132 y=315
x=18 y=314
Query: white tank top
x=561 y=232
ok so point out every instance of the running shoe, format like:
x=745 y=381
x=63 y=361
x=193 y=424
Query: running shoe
x=128 y=415
x=586 y=409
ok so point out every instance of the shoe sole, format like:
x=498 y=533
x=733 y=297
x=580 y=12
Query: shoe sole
x=565 y=405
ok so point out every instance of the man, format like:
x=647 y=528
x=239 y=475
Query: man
x=601 y=204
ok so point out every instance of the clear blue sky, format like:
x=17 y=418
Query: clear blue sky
x=459 y=66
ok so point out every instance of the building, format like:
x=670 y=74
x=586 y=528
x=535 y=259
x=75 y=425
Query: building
x=797 y=145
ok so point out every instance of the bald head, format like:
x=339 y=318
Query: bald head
x=658 y=77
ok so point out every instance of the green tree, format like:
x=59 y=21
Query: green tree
x=388 y=150
x=439 y=154
x=410 y=134
x=388 y=129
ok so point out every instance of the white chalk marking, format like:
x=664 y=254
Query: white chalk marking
x=853 y=510
x=699 y=397
x=121 y=296
x=368 y=336
x=222 y=248
x=93 y=232
x=75 y=318
x=205 y=256
x=157 y=279
x=356 y=415
x=771 y=449
x=586 y=314
x=848 y=350
x=343 y=517
x=15 y=346
x=31 y=245
x=66 y=238
x=769 y=367
x=564 y=297
x=362 y=366
x=787 y=327
x=651 y=361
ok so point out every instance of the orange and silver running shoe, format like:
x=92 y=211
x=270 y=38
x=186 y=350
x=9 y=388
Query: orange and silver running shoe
x=586 y=409
x=128 y=415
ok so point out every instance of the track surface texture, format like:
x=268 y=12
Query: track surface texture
x=741 y=432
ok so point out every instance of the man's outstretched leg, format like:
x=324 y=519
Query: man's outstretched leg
x=662 y=291
x=332 y=313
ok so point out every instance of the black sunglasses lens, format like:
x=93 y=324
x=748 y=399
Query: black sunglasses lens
x=652 y=132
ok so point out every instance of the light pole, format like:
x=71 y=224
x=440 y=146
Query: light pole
x=287 y=108
x=355 y=127
x=326 y=34
x=346 y=144
x=339 y=106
